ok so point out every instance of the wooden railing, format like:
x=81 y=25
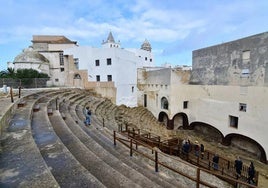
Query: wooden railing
x=172 y=146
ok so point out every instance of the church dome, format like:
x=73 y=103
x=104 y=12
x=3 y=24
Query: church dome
x=146 y=46
x=29 y=55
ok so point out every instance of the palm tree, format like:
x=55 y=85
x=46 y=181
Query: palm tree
x=9 y=73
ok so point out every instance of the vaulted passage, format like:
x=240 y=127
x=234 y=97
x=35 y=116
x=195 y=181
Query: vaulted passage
x=247 y=144
x=206 y=129
x=180 y=120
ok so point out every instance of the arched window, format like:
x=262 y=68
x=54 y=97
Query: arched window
x=77 y=76
x=164 y=103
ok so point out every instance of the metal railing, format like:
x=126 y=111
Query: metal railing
x=24 y=82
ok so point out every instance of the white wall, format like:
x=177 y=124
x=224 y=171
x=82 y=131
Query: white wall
x=211 y=104
x=123 y=69
x=214 y=104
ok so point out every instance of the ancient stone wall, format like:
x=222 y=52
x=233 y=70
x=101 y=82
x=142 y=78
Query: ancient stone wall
x=241 y=62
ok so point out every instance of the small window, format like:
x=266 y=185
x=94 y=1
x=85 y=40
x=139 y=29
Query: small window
x=233 y=121
x=98 y=78
x=146 y=58
x=164 y=103
x=109 y=78
x=242 y=107
x=76 y=63
x=245 y=73
x=62 y=69
x=151 y=60
x=56 y=80
x=109 y=61
x=185 y=104
x=97 y=62
x=145 y=100
x=246 y=55
x=61 y=58
x=132 y=89
x=156 y=99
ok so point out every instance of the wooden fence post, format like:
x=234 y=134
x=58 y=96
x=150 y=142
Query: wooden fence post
x=131 y=143
x=56 y=103
x=197 y=177
x=156 y=161
x=11 y=95
x=19 y=91
x=114 y=138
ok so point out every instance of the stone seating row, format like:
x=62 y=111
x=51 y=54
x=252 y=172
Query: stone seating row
x=62 y=152
x=21 y=164
x=103 y=154
x=66 y=169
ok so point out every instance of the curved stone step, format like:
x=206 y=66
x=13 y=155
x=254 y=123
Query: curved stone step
x=106 y=156
x=21 y=164
x=122 y=153
x=65 y=168
x=87 y=158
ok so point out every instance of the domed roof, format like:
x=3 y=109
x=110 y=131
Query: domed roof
x=29 y=55
x=146 y=46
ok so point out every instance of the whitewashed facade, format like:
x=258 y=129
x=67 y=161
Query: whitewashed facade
x=111 y=63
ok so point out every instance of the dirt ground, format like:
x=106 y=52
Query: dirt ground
x=230 y=153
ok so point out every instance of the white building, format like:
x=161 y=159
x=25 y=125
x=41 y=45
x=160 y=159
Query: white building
x=111 y=63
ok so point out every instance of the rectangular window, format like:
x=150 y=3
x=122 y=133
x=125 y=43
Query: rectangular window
x=56 y=79
x=233 y=121
x=146 y=58
x=132 y=89
x=151 y=60
x=97 y=62
x=62 y=69
x=109 y=78
x=245 y=73
x=246 y=56
x=145 y=100
x=185 y=104
x=98 y=78
x=156 y=100
x=76 y=63
x=109 y=61
x=61 y=58
x=242 y=107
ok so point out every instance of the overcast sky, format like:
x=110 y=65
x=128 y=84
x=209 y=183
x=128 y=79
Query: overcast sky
x=173 y=27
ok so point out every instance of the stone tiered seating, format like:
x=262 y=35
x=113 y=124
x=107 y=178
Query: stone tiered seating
x=65 y=168
x=103 y=147
x=176 y=179
x=63 y=152
x=21 y=164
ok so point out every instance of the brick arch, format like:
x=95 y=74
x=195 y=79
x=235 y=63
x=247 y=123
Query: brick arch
x=227 y=140
x=207 y=129
x=185 y=122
